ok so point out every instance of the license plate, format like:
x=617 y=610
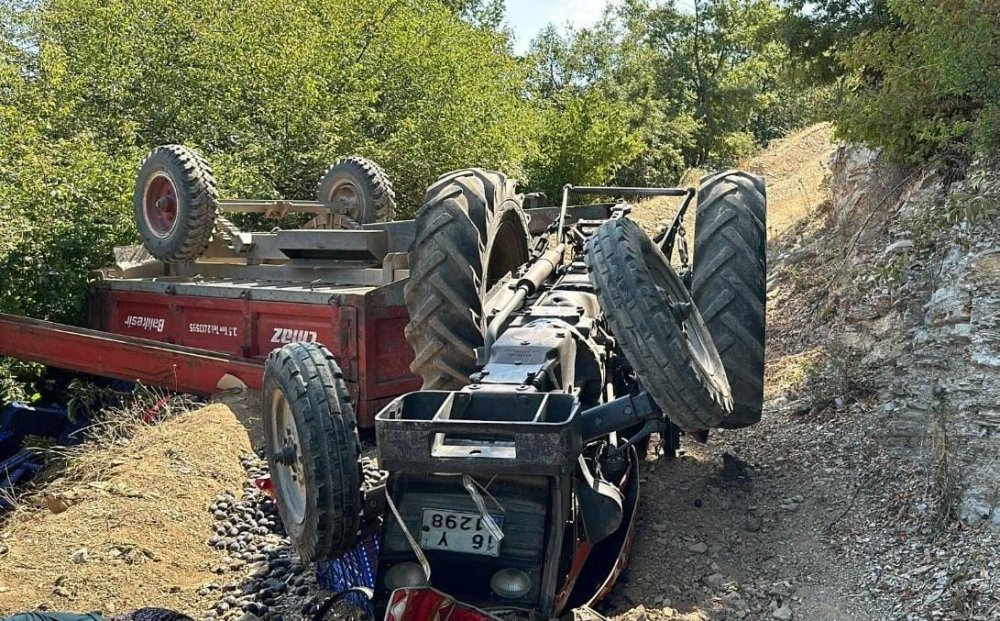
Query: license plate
x=458 y=531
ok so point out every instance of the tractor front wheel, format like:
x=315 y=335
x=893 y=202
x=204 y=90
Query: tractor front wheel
x=313 y=450
x=657 y=326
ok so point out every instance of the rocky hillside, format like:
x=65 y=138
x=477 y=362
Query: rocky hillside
x=924 y=312
x=869 y=491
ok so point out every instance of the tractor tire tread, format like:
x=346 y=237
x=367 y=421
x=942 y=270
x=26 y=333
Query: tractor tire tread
x=454 y=232
x=313 y=383
x=378 y=187
x=648 y=334
x=194 y=179
x=729 y=283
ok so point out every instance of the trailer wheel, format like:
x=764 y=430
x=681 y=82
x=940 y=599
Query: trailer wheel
x=657 y=326
x=175 y=203
x=470 y=233
x=359 y=186
x=729 y=283
x=313 y=450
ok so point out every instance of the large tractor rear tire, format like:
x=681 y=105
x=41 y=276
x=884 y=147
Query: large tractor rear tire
x=729 y=284
x=470 y=233
x=175 y=203
x=313 y=450
x=657 y=326
x=360 y=186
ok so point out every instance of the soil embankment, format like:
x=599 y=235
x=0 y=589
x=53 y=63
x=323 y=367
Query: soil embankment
x=131 y=522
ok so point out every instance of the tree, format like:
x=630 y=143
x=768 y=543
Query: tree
x=584 y=140
x=927 y=81
x=407 y=83
x=485 y=13
x=699 y=88
x=818 y=31
x=89 y=86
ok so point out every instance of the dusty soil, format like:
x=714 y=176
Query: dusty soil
x=796 y=171
x=132 y=525
x=749 y=524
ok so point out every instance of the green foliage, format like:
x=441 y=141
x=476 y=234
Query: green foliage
x=698 y=88
x=926 y=82
x=408 y=84
x=980 y=202
x=586 y=142
x=87 y=87
x=102 y=82
x=86 y=399
x=721 y=63
x=16 y=377
x=64 y=199
x=486 y=13
x=816 y=31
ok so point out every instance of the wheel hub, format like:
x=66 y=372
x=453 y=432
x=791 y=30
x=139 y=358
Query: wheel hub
x=287 y=456
x=160 y=205
x=289 y=475
x=346 y=199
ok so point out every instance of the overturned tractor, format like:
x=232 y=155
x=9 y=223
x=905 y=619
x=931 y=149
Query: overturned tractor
x=547 y=363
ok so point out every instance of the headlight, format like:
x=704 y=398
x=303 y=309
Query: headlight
x=511 y=583
x=404 y=575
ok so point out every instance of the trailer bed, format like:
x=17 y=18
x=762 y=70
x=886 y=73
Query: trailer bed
x=362 y=325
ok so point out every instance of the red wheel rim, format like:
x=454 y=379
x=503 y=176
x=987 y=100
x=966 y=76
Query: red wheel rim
x=160 y=205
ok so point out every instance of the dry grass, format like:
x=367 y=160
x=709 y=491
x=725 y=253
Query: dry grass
x=641 y=613
x=788 y=373
x=657 y=213
x=136 y=500
x=795 y=169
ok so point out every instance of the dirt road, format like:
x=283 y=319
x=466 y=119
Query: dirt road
x=745 y=526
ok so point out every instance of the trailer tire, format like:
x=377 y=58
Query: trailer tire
x=313 y=450
x=470 y=233
x=657 y=326
x=360 y=185
x=175 y=203
x=729 y=284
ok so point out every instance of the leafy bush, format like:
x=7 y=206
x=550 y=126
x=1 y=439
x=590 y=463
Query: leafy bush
x=584 y=140
x=87 y=87
x=926 y=82
x=62 y=205
x=277 y=100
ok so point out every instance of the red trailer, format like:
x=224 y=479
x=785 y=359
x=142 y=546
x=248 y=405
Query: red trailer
x=347 y=296
x=201 y=303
